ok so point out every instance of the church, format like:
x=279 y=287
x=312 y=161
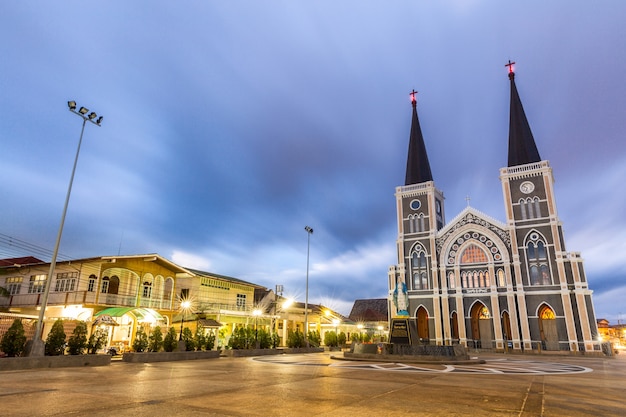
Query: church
x=482 y=283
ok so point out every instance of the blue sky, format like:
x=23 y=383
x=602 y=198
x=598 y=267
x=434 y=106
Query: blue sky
x=229 y=126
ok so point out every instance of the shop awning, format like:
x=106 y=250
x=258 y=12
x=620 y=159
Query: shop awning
x=141 y=314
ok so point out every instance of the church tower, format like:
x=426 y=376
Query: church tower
x=539 y=258
x=420 y=214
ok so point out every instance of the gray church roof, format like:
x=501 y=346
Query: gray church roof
x=374 y=309
x=417 y=165
x=522 y=147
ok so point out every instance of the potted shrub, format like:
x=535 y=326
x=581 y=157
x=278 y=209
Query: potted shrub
x=14 y=340
x=77 y=343
x=55 y=342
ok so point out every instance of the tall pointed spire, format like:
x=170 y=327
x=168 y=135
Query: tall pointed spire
x=417 y=165
x=522 y=147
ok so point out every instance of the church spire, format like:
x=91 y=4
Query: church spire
x=417 y=165
x=522 y=147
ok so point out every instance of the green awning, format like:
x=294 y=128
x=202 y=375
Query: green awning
x=137 y=312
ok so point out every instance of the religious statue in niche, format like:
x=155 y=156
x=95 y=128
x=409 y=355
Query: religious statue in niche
x=401 y=298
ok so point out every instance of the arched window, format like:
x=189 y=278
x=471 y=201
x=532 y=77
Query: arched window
x=537 y=254
x=105 y=285
x=522 y=206
x=451 y=283
x=473 y=255
x=91 y=285
x=537 y=208
x=419 y=270
x=501 y=279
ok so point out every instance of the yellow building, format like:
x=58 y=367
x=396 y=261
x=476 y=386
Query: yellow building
x=120 y=293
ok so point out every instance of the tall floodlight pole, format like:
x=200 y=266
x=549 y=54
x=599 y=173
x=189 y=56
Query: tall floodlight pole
x=309 y=231
x=38 y=346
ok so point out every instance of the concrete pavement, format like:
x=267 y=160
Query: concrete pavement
x=316 y=385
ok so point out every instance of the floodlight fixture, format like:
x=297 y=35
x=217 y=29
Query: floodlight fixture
x=71 y=105
x=99 y=120
x=92 y=115
x=83 y=111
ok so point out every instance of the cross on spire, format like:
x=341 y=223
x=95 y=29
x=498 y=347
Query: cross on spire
x=511 y=72
x=413 y=99
x=467 y=198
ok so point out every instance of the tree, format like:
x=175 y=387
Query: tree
x=314 y=338
x=188 y=339
x=210 y=341
x=170 y=342
x=55 y=342
x=341 y=339
x=140 y=343
x=330 y=339
x=77 y=342
x=155 y=340
x=14 y=340
x=96 y=341
x=275 y=340
x=199 y=338
x=295 y=339
x=242 y=338
x=264 y=339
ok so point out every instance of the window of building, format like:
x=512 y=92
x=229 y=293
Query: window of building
x=451 y=281
x=501 y=278
x=184 y=294
x=473 y=255
x=105 y=285
x=241 y=301
x=475 y=279
x=66 y=281
x=147 y=289
x=91 y=285
x=13 y=285
x=37 y=284
x=419 y=270
x=530 y=208
x=537 y=254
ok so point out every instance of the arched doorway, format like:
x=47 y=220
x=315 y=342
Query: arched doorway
x=506 y=330
x=547 y=328
x=422 y=325
x=482 y=332
x=506 y=326
x=454 y=326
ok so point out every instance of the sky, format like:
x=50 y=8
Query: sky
x=230 y=126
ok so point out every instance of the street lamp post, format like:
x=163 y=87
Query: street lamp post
x=256 y=313
x=184 y=306
x=38 y=346
x=309 y=231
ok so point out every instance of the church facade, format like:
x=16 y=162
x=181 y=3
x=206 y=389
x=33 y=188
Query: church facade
x=482 y=283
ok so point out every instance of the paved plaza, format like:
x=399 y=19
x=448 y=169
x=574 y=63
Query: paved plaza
x=317 y=385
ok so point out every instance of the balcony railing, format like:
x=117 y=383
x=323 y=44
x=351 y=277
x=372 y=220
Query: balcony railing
x=84 y=297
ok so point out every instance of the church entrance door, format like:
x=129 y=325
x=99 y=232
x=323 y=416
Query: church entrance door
x=422 y=325
x=547 y=329
x=482 y=332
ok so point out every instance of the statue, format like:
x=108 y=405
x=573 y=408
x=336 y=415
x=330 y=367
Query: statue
x=401 y=298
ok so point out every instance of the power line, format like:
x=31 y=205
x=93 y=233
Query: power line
x=12 y=247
